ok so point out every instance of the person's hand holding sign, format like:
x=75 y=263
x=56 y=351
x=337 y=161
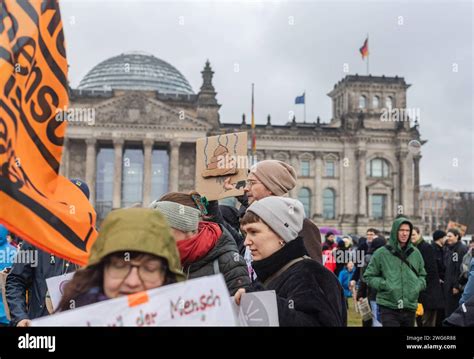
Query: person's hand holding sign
x=238 y=295
x=227 y=185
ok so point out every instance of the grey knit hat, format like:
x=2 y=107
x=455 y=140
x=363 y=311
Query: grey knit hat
x=283 y=215
x=183 y=218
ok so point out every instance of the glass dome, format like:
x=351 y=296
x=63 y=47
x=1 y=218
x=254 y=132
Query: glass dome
x=136 y=71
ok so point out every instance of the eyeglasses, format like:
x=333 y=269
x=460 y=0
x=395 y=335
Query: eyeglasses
x=250 y=183
x=149 y=271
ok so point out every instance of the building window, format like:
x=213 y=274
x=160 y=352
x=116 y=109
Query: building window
x=104 y=183
x=389 y=102
x=132 y=177
x=304 y=196
x=362 y=101
x=330 y=168
x=329 y=204
x=375 y=102
x=159 y=173
x=378 y=206
x=305 y=168
x=378 y=167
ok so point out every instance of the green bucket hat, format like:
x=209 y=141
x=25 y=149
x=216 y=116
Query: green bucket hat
x=137 y=229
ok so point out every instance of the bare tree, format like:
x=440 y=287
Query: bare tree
x=462 y=211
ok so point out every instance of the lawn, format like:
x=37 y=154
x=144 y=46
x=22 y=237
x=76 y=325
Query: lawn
x=353 y=318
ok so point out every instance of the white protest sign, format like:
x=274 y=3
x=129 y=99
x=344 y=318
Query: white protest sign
x=199 y=302
x=56 y=287
x=257 y=309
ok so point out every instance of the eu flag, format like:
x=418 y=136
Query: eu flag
x=299 y=99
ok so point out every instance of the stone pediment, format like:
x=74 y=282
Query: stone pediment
x=379 y=184
x=140 y=109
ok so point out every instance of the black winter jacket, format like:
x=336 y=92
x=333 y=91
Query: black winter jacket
x=453 y=260
x=307 y=293
x=223 y=258
x=29 y=273
x=432 y=296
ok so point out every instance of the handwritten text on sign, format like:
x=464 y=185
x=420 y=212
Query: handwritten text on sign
x=199 y=302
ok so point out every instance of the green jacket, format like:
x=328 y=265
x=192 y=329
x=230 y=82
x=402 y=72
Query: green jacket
x=396 y=284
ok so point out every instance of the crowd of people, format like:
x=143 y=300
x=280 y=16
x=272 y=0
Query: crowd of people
x=267 y=243
x=406 y=279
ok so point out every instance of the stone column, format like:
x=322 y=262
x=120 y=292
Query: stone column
x=174 y=166
x=91 y=167
x=416 y=192
x=361 y=178
x=340 y=210
x=401 y=157
x=318 y=191
x=294 y=161
x=268 y=154
x=147 y=168
x=64 y=167
x=118 y=164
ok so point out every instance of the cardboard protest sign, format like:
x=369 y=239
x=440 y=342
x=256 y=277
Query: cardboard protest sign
x=220 y=157
x=462 y=228
x=199 y=302
x=257 y=309
x=56 y=287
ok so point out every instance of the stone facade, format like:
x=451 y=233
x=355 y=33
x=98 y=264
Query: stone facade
x=332 y=159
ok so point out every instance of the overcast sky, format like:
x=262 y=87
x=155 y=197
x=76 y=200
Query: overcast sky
x=288 y=47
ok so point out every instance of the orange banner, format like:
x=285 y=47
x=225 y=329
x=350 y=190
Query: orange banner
x=36 y=203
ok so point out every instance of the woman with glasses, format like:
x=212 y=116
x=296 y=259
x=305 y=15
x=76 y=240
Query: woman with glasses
x=134 y=252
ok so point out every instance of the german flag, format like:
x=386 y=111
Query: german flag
x=364 y=50
x=36 y=203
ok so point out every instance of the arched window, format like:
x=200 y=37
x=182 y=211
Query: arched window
x=375 y=102
x=362 y=101
x=304 y=196
x=329 y=204
x=389 y=102
x=378 y=167
x=132 y=176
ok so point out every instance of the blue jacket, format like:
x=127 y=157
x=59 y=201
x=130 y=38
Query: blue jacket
x=469 y=288
x=7 y=255
x=344 y=278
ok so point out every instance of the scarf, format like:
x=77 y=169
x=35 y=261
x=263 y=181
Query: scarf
x=194 y=248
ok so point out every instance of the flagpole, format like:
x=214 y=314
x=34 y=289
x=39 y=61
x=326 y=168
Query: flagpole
x=368 y=54
x=304 y=120
x=254 y=145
